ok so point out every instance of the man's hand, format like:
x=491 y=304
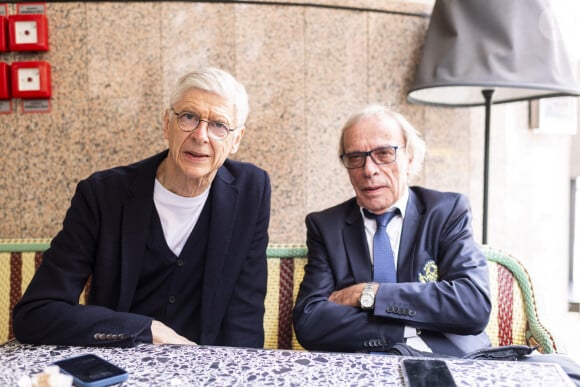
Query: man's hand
x=162 y=334
x=350 y=296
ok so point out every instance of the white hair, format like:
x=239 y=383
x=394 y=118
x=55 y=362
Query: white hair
x=215 y=81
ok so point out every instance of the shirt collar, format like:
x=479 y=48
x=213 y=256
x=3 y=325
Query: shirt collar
x=401 y=204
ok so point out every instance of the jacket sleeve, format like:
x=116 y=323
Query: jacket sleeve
x=450 y=288
x=243 y=324
x=49 y=311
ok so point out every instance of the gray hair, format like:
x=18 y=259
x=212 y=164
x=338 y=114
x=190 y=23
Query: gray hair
x=215 y=81
x=414 y=143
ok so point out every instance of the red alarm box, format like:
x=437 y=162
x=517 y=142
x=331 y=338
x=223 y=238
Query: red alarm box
x=4 y=80
x=30 y=80
x=3 y=31
x=28 y=32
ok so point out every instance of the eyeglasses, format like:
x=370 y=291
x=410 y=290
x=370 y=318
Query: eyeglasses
x=382 y=155
x=188 y=122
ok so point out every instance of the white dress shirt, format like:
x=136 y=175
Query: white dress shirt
x=394 y=229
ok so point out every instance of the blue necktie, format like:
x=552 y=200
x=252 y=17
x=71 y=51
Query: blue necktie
x=383 y=256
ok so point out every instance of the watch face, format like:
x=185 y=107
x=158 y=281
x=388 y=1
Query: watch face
x=366 y=301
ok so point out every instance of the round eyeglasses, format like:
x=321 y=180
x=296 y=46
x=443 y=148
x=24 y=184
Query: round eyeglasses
x=188 y=122
x=382 y=155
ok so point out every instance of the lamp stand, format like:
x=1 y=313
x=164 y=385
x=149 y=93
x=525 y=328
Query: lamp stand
x=487 y=94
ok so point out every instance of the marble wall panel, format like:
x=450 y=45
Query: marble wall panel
x=124 y=81
x=68 y=53
x=195 y=35
x=336 y=86
x=13 y=179
x=42 y=167
x=70 y=114
x=123 y=41
x=395 y=44
x=270 y=60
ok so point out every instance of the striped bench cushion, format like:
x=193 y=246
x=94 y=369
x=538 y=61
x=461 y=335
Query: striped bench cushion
x=16 y=271
x=507 y=323
x=284 y=277
x=514 y=317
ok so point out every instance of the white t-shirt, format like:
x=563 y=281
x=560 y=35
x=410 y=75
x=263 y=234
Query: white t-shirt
x=178 y=215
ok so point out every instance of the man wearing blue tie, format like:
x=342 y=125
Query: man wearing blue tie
x=422 y=281
x=416 y=278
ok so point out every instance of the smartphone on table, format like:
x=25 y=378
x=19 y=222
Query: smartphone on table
x=424 y=372
x=92 y=371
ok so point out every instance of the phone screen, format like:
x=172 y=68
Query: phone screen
x=426 y=373
x=92 y=371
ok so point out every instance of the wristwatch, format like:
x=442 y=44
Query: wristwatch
x=367 y=298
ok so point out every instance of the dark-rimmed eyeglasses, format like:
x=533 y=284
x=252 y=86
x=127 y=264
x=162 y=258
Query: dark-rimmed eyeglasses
x=189 y=121
x=382 y=155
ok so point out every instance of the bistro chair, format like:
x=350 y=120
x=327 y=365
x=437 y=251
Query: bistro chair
x=514 y=318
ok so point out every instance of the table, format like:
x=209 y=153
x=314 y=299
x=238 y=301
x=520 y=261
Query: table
x=175 y=365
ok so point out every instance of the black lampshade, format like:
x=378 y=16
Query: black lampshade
x=512 y=46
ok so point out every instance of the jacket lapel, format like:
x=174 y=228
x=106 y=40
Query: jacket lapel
x=134 y=229
x=406 y=258
x=224 y=203
x=355 y=244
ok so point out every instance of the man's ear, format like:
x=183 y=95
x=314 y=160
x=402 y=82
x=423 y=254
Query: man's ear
x=238 y=139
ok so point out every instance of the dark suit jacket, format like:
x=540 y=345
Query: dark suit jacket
x=451 y=309
x=104 y=235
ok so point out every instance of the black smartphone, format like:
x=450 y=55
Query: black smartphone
x=421 y=372
x=92 y=371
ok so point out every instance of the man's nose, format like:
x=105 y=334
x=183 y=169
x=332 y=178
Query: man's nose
x=201 y=132
x=370 y=164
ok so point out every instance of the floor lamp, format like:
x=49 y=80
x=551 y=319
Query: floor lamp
x=479 y=53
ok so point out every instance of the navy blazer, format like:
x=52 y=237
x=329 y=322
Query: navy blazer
x=442 y=275
x=104 y=235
